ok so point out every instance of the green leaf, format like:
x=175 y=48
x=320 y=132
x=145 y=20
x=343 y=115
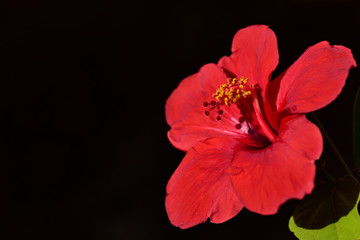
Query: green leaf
x=357 y=129
x=330 y=212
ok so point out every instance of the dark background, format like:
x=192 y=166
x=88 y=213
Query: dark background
x=83 y=86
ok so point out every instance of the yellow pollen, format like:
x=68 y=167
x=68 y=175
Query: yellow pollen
x=233 y=90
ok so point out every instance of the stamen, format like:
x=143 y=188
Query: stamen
x=231 y=93
x=227 y=94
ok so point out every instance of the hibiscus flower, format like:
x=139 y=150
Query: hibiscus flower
x=247 y=138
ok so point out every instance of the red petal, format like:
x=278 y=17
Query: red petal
x=266 y=178
x=315 y=79
x=185 y=111
x=201 y=187
x=196 y=127
x=193 y=91
x=254 y=55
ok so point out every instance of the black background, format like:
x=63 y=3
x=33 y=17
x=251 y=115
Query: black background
x=83 y=86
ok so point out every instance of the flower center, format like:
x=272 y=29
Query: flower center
x=227 y=94
x=230 y=92
x=233 y=92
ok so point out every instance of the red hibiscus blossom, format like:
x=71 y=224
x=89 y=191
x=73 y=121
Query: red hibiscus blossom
x=247 y=139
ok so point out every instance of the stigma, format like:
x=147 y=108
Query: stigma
x=227 y=94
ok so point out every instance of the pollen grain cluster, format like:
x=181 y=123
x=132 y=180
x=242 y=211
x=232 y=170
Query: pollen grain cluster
x=227 y=94
x=232 y=91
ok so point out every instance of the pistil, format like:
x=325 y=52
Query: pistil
x=263 y=124
x=231 y=93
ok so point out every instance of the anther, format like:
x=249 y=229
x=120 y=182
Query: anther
x=227 y=94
